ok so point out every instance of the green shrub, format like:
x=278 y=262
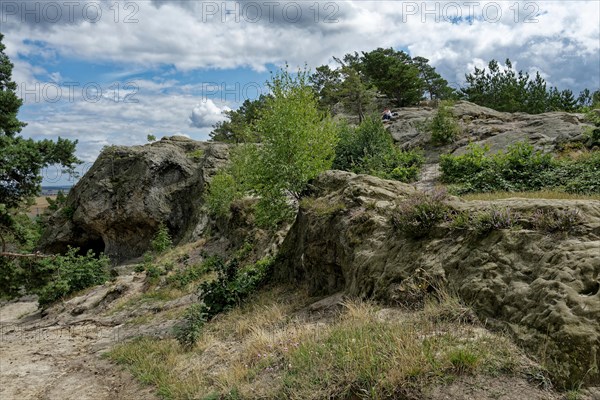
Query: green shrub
x=444 y=127
x=162 y=240
x=519 y=169
x=66 y=274
x=369 y=149
x=222 y=192
x=181 y=279
x=420 y=212
x=463 y=361
x=455 y=169
x=188 y=333
x=232 y=285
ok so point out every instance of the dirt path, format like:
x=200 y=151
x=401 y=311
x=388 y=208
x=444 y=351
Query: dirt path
x=59 y=357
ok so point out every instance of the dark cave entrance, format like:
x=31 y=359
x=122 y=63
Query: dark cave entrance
x=94 y=243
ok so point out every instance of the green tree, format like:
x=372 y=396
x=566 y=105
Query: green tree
x=326 y=83
x=297 y=143
x=394 y=74
x=236 y=128
x=355 y=94
x=502 y=89
x=537 y=95
x=9 y=101
x=21 y=160
x=435 y=86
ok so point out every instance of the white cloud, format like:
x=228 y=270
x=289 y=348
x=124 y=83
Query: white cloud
x=179 y=36
x=206 y=114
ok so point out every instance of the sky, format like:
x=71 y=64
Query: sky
x=113 y=72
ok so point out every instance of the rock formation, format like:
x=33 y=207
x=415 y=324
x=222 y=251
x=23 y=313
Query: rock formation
x=485 y=126
x=129 y=191
x=544 y=289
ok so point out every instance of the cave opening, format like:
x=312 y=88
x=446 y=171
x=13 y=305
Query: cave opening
x=95 y=244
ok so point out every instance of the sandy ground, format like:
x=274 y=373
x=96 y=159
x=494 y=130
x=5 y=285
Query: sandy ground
x=59 y=358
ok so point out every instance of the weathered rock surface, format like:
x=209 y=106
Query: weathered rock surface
x=129 y=191
x=485 y=126
x=543 y=289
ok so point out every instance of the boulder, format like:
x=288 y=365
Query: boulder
x=542 y=288
x=118 y=205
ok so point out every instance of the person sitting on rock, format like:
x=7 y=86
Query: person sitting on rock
x=387 y=114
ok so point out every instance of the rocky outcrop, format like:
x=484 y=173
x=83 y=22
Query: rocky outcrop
x=129 y=191
x=488 y=127
x=544 y=289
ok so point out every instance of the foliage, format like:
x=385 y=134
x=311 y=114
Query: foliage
x=21 y=160
x=355 y=93
x=297 y=143
x=162 y=240
x=369 y=149
x=180 y=279
x=222 y=192
x=151 y=138
x=593 y=133
x=504 y=89
x=435 y=86
x=231 y=286
x=417 y=215
x=237 y=128
x=196 y=155
x=520 y=168
x=394 y=74
x=444 y=128
x=188 y=333
x=52 y=278
x=486 y=221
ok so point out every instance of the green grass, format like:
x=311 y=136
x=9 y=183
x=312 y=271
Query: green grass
x=542 y=194
x=260 y=351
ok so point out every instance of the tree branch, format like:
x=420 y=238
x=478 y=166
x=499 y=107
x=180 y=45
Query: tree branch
x=28 y=255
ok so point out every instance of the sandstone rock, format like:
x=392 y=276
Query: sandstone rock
x=543 y=289
x=120 y=202
x=485 y=126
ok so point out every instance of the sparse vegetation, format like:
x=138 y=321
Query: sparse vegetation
x=357 y=353
x=231 y=286
x=420 y=212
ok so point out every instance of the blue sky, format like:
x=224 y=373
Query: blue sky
x=112 y=72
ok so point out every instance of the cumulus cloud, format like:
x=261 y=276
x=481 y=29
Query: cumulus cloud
x=206 y=114
x=559 y=39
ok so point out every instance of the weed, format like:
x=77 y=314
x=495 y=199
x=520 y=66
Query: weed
x=556 y=220
x=420 y=212
x=162 y=240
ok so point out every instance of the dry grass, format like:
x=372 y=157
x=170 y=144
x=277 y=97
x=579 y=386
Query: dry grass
x=543 y=194
x=267 y=349
x=40 y=205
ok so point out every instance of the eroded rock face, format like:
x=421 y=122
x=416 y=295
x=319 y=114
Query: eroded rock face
x=485 y=126
x=120 y=202
x=543 y=289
